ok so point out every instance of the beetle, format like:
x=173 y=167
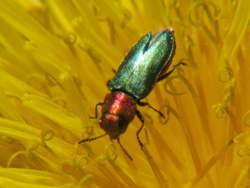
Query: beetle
x=144 y=66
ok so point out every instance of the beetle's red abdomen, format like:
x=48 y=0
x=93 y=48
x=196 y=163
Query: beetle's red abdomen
x=117 y=111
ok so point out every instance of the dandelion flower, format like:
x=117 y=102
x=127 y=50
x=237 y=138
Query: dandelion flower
x=55 y=59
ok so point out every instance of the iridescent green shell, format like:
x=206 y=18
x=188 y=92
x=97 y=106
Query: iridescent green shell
x=140 y=69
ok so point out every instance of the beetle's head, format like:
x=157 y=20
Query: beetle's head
x=113 y=124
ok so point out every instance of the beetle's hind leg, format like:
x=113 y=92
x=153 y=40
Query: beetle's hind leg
x=139 y=115
x=96 y=110
x=147 y=104
x=163 y=76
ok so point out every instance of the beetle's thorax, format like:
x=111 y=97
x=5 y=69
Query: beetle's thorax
x=117 y=111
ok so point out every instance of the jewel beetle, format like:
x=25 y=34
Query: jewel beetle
x=145 y=65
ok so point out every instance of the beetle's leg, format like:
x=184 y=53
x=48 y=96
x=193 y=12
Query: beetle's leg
x=107 y=84
x=147 y=104
x=139 y=115
x=96 y=110
x=123 y=149
x=163 y=76
x=114 y=71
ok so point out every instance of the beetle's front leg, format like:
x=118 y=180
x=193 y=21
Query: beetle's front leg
x=139 y=115
x=96 y=110
x=147 y=104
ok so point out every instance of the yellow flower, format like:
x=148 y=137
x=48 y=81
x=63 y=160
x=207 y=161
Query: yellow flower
x=55 y=59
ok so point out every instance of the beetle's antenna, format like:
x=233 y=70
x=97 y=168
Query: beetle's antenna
x=91 y=139
x=124 y=150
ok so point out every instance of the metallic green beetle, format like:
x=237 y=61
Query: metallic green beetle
x=144 y=65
